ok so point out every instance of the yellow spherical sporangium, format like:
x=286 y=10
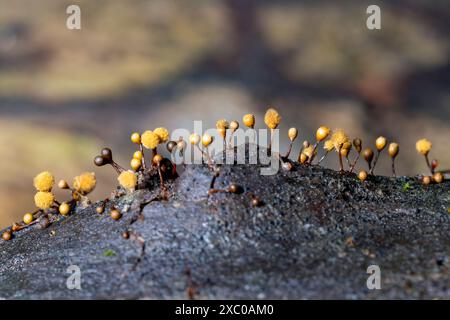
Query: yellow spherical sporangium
x=322 y=133
x=84 y=183
x=128 y=180
x=309 y=151
x=44 y=200
x=150 y=140
x=222 y=124
x=393 y=149
x=249 y=120
x=207 y=139
x=328 y=145
x=234 y=125
x=135 y=138
x=339 y=138
x=162 y=133
x=272 y=118
x=380 y=143
x=423 y=146
x=194 y=139
x=44 y=181
x=292 y=134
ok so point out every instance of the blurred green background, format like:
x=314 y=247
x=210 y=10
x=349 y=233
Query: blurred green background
x=136 y=65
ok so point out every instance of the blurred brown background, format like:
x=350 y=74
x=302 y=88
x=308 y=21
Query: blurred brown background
x=139 y=64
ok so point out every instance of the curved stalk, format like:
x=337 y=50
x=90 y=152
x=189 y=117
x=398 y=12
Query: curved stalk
x=289 y=150
x=428 y=164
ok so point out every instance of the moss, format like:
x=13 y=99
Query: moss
x=406 y=186
x=109 y=253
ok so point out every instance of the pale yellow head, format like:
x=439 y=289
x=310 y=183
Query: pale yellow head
x=423 y=146
x=44 y=181
x=127 y=180
x=292 y=134
x=150 y=140
x=272 y=118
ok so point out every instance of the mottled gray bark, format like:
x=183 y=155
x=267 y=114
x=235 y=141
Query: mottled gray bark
x=314 y=237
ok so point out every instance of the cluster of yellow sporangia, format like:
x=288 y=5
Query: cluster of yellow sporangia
x=423 y=147
x=83 y=184
x=46 y=203
x=341 y=143
x=140 y=170
x=336 y=140
x=149 y=140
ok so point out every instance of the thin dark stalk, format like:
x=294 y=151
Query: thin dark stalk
x=224 y=152
x=213 y=180
x=348 y=163
x=289 y=150
x=428 y=164
x=36 y=212
x=375 y=162
x=212 y=191
x=323 y=157
x=206 y=155
x=314 y=152
x=393 y=168
x=118 y=168
x=144 y=164
x=161 y=181
x=355 y=161
x=341 y=164
x=154 y=153
x=269 y=149
x=230 y=141
x=24 y=226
